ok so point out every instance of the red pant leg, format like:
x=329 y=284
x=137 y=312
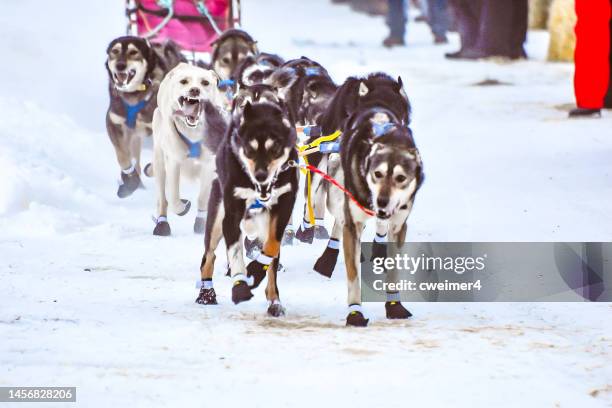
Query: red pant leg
x=592 y=52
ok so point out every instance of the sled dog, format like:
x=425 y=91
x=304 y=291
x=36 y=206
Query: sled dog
x=229 y=50
x=188 y=127
x=135 y=69
x=375 y=90
x=381 y=167
x=253 y=196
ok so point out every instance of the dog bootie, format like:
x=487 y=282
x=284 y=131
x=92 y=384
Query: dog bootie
x=275 y=309
x=252 y=247
x=199 y=225
x=320 y=232
x=305 y=233
x=186 y=207
x=355 y=317
x=129 y=183
x=148 y=170
x=257 y=269
x=207 y=295
x=326 y=263
x=241 y=292
x=162 y=228
x=288 y=237
x=395 y=310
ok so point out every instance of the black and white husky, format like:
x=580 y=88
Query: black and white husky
x=381 y=167
x=307 y=88
x=253 y=195
x=135 y=70
x=355 y=94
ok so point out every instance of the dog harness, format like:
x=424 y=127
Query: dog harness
x=381 y=129
x=132 y=112
x=226 y=85
x=312 y=71
x=195 y=148
x=256 y=205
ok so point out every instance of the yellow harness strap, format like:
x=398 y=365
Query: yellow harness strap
x=304 y=151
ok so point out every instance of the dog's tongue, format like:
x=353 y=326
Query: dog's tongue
x=191 y=109
x=122 y=77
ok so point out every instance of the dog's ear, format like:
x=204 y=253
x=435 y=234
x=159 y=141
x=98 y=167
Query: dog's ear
x=151 y=58
x=401 y=89
x=420 y=174
x=254 y=48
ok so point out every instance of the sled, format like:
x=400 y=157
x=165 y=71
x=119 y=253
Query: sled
x=192 y=24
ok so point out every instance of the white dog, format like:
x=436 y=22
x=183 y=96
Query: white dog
x=188 y=126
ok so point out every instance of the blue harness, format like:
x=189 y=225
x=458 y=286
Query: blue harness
x=229 y=83
x=256 y=205
x=132 y=112
x=312 y=71
x=195 y=149
x=383 y=129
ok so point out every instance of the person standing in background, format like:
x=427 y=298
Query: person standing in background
x=396 y=20
x=491 y=28
x=592 y=82
x=438 y=20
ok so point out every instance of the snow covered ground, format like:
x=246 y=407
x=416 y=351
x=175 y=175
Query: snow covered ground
x=89 y=298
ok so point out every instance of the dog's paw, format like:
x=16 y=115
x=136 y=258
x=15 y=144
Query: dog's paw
x=162 y=229
x=305 y=235
x=148 y=170
x=356 y=319
x=129 y=183
x=257 y=270
x=186 y=207
x=326 y=263
x=288 y=237
x=320 y=232
x=379 y=250
x=276 y=309
x=207 y=297
x=241 y=292
x=395 y=310
x=199 y=225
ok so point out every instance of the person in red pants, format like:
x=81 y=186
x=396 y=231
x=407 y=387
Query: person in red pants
x=592 y=57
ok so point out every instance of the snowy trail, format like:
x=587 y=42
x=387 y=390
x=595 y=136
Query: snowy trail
x=89 y=298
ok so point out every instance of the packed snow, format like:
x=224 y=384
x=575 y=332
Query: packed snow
x=89 y=298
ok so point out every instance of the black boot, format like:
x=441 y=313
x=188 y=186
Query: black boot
x=305 y=235
x=326 y=263
x=356 y=319
x=241 y=292
x=584 y=113
x=162 y=228
x=207 y=297
x=129 y=184
x=258 y=271
x=395 y=310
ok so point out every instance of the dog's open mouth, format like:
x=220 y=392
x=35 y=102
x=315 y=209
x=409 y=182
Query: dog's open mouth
x=123 y=78
x=191 y=109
